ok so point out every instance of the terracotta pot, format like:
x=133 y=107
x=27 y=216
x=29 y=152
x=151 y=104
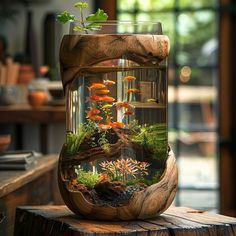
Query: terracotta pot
x=37 y=98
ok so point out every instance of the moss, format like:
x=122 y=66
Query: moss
x=87 y=178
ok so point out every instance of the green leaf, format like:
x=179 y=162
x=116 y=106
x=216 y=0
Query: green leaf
x=65 y=16
x=81 y=5
x=99 y=15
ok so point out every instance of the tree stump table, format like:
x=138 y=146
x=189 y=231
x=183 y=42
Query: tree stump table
x=59 y=220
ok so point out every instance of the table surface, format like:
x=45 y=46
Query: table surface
x=23 y=113
x=59 y=220
x=11 y=180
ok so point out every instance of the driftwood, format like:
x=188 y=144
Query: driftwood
x=144 y=204
x=78 y=54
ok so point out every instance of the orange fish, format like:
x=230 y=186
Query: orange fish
x=120 y=104
x=96 y=117
x=133 y=90
x=93 y=98
x=92 y=111
x=129 y=78
x=103 y=91
x=128 y=113
x=107 y=99
x=97 y=86
x=108 y=82
x=117 y=124
x=104 y=127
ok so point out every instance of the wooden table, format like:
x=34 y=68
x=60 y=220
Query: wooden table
x=35 y=186
x=21 y=114
x=59 y=220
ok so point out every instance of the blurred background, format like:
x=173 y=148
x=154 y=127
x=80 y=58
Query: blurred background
x=201 y=82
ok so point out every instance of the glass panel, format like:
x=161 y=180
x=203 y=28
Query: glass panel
x=197 y=3
x=197 y=42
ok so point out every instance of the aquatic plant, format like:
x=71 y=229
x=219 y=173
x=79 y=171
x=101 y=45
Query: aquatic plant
x=153 y=137
x=125 y=169
x=87 y=178
x=74 y=141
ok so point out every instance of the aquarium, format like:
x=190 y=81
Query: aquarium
x=116 y=143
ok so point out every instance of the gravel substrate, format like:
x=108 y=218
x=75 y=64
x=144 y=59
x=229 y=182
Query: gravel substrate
x=120 y=200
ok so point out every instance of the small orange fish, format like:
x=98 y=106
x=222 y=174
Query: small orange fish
x=133 y=90
x=107 y=99
x=103 y=91
x=92 y=111
x=96 y=117
x=128 y=113
x=97 y=86
x=93 y=98
x=120 y=104
x=104 y=127
x=129 y=78
x=108 y=82
x=117 y=124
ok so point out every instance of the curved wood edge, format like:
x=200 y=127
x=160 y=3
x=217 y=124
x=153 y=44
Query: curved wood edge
x=148 y=203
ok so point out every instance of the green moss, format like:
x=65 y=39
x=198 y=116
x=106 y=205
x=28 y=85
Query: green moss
x=87 y=178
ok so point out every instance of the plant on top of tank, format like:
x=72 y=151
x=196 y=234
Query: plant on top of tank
x=90 y=22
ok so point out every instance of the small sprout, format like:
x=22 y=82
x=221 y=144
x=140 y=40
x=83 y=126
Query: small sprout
x=91 y=22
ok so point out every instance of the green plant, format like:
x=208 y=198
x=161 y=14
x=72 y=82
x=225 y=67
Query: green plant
x=87 y=178
x=73 y=141
x=90 y=22
x=154 y=138
x=124 y=169
x=103 y=142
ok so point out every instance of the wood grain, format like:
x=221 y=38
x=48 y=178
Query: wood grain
x=59 y=220
x=78 y=53
x=11 y=180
